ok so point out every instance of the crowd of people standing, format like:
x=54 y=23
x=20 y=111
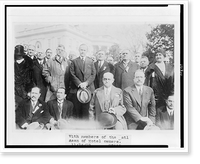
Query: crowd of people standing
x=122 y=94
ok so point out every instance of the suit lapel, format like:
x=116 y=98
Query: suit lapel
x=121 y=66
x=102 y=67
x=64 y=109
x=101 y=96
x=86 y=65
x=80 y=65
x=136 y=95
x=96 y=66
x=55 y=108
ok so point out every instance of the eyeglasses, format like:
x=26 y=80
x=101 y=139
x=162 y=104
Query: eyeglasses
x=106 y=79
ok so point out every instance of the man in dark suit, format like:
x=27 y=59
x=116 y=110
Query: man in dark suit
x=32 y=110
x=38 y=78
x=165 y=115
x=124 y=71
x=60 y=108
x=160 y=77
x=139 y=101
x=82 y=76
x=144 y=63
x=101 y=67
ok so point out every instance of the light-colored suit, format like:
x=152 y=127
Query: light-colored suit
x=137 y=107
x=116 y=101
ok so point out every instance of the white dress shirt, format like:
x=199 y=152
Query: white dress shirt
x=170 y=111
x=107 y=90
x=139 y=88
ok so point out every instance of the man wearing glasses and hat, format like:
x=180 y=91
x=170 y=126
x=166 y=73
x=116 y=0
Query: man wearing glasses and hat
x=23 y=74
x=107 y=105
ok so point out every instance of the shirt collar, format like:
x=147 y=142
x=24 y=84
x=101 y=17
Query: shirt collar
x=109 y=89
x=169 y=110
x=60 y=101
x=138 y=88
x=34 y=102
x=83 y=58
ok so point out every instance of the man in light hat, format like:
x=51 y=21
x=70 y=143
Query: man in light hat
x=108 y=99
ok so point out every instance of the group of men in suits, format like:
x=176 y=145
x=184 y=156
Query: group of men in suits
x=136 y=94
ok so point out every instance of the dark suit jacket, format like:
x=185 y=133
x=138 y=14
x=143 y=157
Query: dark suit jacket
x=39 y=79
x=23 y=113
x=106 y=67
x=163 y=85
x=163 y=120
x=123 y=78
x=82 y=73
x=137 y=108
x=67 y=109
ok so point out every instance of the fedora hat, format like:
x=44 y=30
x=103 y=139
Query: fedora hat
x=19 y=50
x=84 y=95
x=107 y=120
x=35 y=126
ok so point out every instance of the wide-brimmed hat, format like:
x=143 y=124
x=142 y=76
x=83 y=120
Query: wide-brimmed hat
x=19 y=50
x=107 y=120
x=84 y=95
x=35 y=126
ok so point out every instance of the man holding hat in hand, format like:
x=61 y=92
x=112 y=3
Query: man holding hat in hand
x=109 y=101
x=82 y=83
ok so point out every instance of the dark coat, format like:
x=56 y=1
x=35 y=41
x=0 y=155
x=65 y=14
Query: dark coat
x=39 y=79
x=82 y=73
x=124 y=78
x=106 y=67
x=23 y=78
x=24 y=115
x=137 y=108
x=163 y=120
x=67 y=109
x=163 y=85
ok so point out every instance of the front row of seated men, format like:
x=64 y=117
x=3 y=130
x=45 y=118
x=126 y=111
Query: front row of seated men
x=134 y=108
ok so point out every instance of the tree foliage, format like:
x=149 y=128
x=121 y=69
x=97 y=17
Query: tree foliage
x=161 y=36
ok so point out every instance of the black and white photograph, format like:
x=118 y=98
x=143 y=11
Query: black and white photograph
x=96 y=76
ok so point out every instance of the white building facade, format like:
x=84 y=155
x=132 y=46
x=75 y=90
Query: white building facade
x=50 y=36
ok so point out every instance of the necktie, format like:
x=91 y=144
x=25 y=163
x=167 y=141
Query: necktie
x=99 y=65
x=82 y=62
x=60 y=109
x=33 y=105
x=140 y=92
